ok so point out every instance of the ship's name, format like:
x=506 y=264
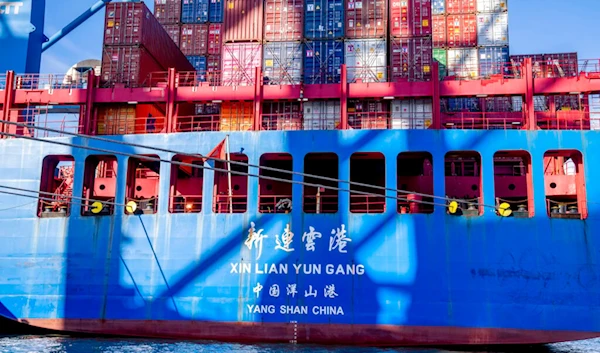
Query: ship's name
x=296 y=309
x=307 y=269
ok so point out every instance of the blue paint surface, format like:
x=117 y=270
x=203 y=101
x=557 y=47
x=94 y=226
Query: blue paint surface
x=215 y=13
x=323 y=61
x=324 y=19
x=431 y=270
x=21 y=30
x=194 y=11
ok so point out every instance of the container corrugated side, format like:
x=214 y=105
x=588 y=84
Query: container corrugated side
x=174 y=32
x=215 y=38
x=366 y=60
x=323 y=61
x=493 y=61
x=167 y=11
x=367 y=18
x=324 y=19
x=237 y=116
x=239 y=61
x=282 y=64
x=457 y=105
x=243 y=20
x=215 y=11
x=463 y=63
x=411 y=59
x=461 y=6
x=438 y=7
x=492 y=6
x=411 y=18
x=409 y=114
x=461 y=31
x=500 y=104
x=441 y=56
x=322 y=115
x=128 y=65
x=194 y=39
x=282 y=116
x=141 y=28
x=440 y=39
x=492 y=29
x=194 y=11
x=284 y=20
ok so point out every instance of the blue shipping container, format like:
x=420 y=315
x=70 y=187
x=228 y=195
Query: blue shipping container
x=324 y=19
x=455 y=105
x=199 y=63
x=494 y=61
x=438 y=7
x=215 y=11
x=194 y=11
x=323 y=61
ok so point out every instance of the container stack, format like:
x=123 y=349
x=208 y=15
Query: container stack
x=411 y=44
x=136 y=45
x=492 y=38
x=196 y=27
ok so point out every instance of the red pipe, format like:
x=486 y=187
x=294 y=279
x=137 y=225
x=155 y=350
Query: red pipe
x=436 y=115
x=258 y=97
x=531 y=123
x=89 y=103
x=171 y=96
x=344 y=98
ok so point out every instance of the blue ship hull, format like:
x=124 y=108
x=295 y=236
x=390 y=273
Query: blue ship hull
x=397 y=279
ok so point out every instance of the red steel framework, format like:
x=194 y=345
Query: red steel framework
x=19 y=91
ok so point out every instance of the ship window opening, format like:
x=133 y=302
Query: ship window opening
x=100 y=185
x=275 y=196
x=186 y=185
x=282 y=116
x=367 y=168
x=231 y=190
x=321 y=199
x=463 y=181
x=565 y=184
x=513 y=182
x=56 y=185
x=415 y=176
x=143 y=180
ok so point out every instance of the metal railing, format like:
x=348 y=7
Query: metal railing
x=567 y=120
x=143 y=205
x=483 y=121
x=230 y=204
x=367 y=204
x=131 y=125
x=50 y=81
x=320 y=203
x=369 y=121
x=285 y=121
x=185 y=204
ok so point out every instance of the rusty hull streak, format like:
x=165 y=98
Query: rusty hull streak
x=373 y=335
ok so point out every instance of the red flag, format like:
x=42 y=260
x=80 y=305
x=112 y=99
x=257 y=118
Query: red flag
x=218 y=152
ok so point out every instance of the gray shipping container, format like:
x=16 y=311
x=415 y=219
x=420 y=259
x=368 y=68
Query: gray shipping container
x=282 y=63
x=322 y=115
x=366 y=60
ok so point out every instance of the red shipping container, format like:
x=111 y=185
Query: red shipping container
x=411 y=18
x=194 y=39
x=167 y=11
x=412 y=59
x=243 y=20
x=462 y=31
x=213 y=70
x=129 y=23
x=215 y=38
x=284 y=20
x=174 y=32
x=368 y=18
x=440 y=40
x=461 y=6
x=128 y=65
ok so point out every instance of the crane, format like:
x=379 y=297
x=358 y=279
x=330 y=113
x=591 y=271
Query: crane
x=22 y=33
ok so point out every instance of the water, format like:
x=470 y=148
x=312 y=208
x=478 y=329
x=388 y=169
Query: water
x=64 y=344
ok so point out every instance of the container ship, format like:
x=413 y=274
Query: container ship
x=355 y=172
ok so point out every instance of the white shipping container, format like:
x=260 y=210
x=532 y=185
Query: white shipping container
x=410 y=114
x=322 y=115
x=282 y=64
x=595 y=111
x=492 y=29
x=366 y=60
x=463 y=62
x=239 y=61
x=492 y=5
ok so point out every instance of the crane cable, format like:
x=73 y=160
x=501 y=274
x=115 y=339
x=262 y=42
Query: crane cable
x=148 y=158
x=199 y=156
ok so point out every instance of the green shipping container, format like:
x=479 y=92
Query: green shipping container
x=441 y=56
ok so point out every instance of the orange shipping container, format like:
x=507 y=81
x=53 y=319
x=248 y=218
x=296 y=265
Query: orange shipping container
x=129 y=119
x=237 y=116
x=243 y=20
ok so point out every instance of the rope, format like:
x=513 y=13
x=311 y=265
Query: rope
x=83 y=136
